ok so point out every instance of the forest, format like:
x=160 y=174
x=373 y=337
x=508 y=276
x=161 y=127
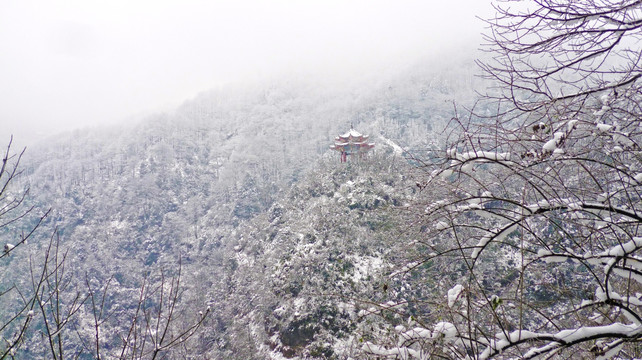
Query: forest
x=498 y=217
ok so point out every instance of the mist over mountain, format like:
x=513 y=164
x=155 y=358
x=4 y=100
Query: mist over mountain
x=238 y=188
x=356 y=211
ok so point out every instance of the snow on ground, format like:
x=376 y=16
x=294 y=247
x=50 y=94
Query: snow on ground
x=364 y=266
x=396 y=148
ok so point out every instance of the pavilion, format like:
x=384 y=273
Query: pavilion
x=352 y=143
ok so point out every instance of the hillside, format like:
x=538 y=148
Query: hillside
x=238 y=189
x=504 y=227
x=305 y=268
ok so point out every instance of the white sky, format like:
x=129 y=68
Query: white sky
x=75 y=63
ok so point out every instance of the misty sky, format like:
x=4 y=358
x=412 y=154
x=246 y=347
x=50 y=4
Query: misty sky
x=75 y=63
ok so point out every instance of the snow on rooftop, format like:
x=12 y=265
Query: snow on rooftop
x=353 y=133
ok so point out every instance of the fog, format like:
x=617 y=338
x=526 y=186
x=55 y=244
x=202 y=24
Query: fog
x=78 y=63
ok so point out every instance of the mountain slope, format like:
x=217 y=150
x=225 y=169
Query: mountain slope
x=306 y=267
x=199 y=187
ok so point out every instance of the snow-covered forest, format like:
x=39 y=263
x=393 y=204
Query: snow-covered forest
x=496 y=217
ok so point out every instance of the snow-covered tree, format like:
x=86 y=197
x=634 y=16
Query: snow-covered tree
x=15 y=214
x=48 y=311
x=549 y=55
x=534 y=215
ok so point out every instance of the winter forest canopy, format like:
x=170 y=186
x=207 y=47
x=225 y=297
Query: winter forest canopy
x=497 y=224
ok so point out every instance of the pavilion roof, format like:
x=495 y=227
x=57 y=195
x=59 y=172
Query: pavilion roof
x=353 y=133
x=352 y=140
